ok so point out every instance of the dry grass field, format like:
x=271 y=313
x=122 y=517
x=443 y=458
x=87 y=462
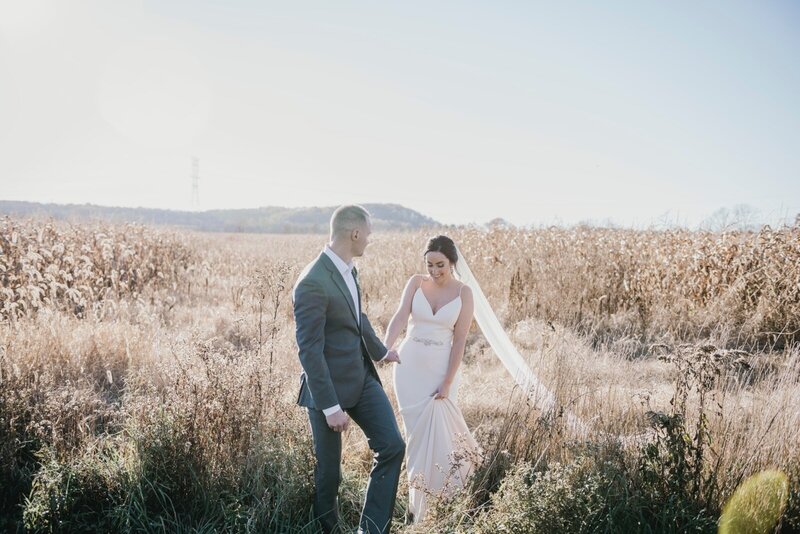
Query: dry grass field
x=148 y=378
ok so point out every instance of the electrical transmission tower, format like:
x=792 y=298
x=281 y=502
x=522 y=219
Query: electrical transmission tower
x=195 y=183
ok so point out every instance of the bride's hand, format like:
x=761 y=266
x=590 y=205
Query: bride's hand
x=391 y=356
x=443 y=392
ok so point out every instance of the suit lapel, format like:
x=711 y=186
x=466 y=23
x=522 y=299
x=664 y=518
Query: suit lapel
x=338 y=281
x=358 y=292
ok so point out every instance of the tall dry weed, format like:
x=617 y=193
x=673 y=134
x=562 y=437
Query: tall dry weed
x=148 y=377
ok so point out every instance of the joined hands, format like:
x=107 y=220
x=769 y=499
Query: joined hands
x=392 y=356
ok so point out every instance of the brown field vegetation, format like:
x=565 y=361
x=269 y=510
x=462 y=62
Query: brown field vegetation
x=148 y=378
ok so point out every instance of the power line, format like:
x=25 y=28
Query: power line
x=195 y=183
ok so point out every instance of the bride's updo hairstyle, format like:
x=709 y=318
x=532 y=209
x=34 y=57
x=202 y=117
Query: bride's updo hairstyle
x=443 y=244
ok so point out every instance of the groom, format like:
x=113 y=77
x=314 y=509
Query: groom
x=337 y=347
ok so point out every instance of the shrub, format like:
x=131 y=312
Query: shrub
x=564 y=498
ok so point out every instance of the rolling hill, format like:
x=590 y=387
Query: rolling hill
x=257 y=220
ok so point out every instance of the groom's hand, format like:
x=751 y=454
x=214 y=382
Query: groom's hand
x=338 y=421
x=392 y=356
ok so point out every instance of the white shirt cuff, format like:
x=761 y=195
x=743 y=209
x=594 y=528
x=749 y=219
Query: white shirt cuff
x=332 y=410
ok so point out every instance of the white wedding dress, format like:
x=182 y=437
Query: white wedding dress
x=439 y=446
x=436 y=433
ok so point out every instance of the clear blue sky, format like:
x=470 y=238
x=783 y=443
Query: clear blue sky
x=633 y=112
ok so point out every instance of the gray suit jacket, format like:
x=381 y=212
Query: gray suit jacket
x=335 y=351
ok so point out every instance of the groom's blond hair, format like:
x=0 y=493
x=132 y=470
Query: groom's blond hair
x=347 y=218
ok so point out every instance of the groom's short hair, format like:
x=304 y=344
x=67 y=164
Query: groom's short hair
x=348 y=218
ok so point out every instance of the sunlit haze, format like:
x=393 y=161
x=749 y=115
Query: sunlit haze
x=627 y=112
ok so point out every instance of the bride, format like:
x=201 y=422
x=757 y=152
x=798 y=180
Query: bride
x=440 y=447
x=438 y=310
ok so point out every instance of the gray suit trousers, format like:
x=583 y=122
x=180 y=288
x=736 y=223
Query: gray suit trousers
x=374 y=415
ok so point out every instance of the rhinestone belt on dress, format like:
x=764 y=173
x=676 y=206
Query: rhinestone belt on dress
x=426 y=341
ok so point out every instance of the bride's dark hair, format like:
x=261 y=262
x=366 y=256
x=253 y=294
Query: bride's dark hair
x=443 y=244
